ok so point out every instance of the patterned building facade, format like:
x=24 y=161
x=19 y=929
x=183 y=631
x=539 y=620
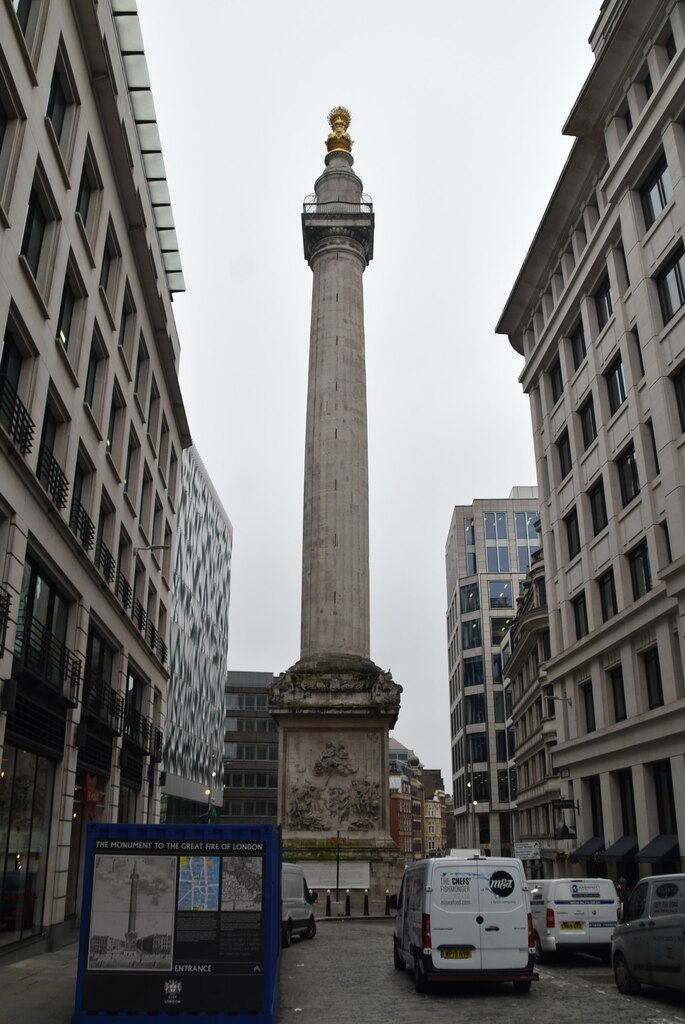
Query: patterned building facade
x=92 y=427
x=193 y=738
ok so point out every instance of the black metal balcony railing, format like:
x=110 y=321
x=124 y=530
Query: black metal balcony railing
x=138 y=615
x=47 y=660
x=162 y=650
x=81 y=524
x=138 y=730
x=14 y=417
x=102 y=702
x=5 y=601
x=124 y=590
x=310 y=205
x=151 y=635
x=104 y=560
x=156 y=744
x=52 y=478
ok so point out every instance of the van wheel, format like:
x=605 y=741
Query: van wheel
x=287 y=936
x=397 y=959
x=625 y=982
x=538 y=949
x=420 y=979
x=522 y=985
x=311 y=930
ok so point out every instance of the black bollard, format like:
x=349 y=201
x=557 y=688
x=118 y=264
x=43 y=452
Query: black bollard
x=387 y=903
x=328 y=902
x=366 y=902
x=348 y=912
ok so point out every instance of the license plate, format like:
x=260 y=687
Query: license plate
x=576 y=926
x=456 y=954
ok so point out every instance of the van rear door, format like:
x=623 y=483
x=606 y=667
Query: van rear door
x=479 y=916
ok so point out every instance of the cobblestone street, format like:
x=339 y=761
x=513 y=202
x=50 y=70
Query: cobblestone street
x=346 y=976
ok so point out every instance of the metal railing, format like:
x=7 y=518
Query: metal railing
x=81 y=524
x=41 y=655
x=14 y=417
x=138 y=615
x=311 y=205
x=124 y=590
x=52 y=478
x=103 y=702
x=104 y=561
x=5 y=602
x=156 y=744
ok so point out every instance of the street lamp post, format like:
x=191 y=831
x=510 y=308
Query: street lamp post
x=208 y=794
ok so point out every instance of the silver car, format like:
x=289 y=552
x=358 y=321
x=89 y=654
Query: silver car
x=648 y=946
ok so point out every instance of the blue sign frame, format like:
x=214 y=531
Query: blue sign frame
x=180 y=920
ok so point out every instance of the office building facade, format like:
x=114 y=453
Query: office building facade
x=250 y=751
x=598 y=314
x=92 y=427
x=488 y=552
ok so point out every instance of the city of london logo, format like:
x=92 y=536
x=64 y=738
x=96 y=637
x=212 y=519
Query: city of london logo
x=172 y=990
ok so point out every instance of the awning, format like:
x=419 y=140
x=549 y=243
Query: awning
x=588 y=849
x=624 y=848
x=659 y=850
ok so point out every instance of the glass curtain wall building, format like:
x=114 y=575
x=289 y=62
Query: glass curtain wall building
x=488 y=552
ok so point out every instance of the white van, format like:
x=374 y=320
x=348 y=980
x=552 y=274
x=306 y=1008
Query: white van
x=647 y=946
x=465 y=919
x=573 y=915
x=297 y=915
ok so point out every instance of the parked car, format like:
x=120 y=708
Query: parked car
x=465 y=918
x=573 y=915
x=648 y=946
x=297 y=915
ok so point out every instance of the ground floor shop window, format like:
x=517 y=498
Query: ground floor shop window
x=26 y=785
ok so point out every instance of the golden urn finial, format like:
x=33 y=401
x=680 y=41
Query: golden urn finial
x=339 y=120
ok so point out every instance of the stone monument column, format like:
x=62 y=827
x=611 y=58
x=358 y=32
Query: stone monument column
x=334 y=707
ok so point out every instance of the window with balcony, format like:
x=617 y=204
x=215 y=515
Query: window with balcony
x=598 y=508
x=629 y=481
x=79 y=520
x=579 y=607
x=616 y=385
x=564 y=455
x=572 y=533
x=588 y=424
x=607 y=595
x=41 y=650
x=578 y=349
x=48 y=471
x=14 y=417
x=104 y=559
x=604 y=303
x=671 y=284
x=656 y=192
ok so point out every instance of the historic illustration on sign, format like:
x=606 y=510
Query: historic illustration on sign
x=132 y=913
x=241 y=883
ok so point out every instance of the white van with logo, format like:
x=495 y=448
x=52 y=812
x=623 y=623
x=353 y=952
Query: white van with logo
x=648 y=946
x=297 y=914
x=465 y=919
x=573 y=915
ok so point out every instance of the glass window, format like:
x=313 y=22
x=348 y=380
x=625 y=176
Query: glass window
x=588 y=706
x=501 y=745
x=471 y=634
x=475 y=708
x=671 y=285
x=652 y=675
x=564 y=453
x=469 y=596
x=525 y=525
x=580 y=616
x=656 y=192
x=640 y=574
x=679 y=387
x=468 y=531
x=34 y=232
x=500 y=593
x=498 y=699
x=671 y=50
x=665 y=803
x=471 y=563
x=604 y=303
x=607 y=595
x=587 y=422
x=578 y=345
x=497 y=668
x=617 y=693
x=556 y=380
x=572 y=533
x=478 y=746
x=473 y=672
x=498 y=628
x=598 y=508
x=629 y=481
x=616 y=385
x=57 y=104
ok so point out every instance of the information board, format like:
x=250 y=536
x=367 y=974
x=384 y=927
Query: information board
x=180 y=920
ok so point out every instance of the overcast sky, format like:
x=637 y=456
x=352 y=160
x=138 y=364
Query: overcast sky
x=457 y=110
